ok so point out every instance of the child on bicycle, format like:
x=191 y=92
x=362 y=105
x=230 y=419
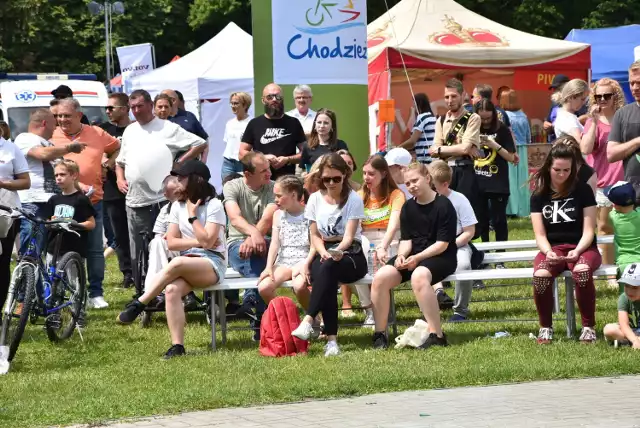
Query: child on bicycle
x=289 y=253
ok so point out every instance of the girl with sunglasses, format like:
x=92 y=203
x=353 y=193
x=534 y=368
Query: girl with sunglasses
x=607 y=97
x=334 y=213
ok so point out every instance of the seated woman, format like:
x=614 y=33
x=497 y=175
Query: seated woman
x=382 y=204
x=585 y=173
x=563 y=214
x=334 y=213
x=427 y=255
x=196 y=230
x=322 y=140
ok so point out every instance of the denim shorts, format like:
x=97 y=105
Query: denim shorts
x=216 y=259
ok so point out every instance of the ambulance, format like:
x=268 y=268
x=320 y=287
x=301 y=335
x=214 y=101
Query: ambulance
x=20 y=98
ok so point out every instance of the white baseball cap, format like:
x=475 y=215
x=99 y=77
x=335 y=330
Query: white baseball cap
x=398 y=156
x=631 y=275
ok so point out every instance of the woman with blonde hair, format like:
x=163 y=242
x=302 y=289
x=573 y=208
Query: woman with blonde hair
x=571 y=99
x=606 y=98
x=240 y=103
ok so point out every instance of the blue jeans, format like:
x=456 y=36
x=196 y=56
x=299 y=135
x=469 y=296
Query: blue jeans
x=95 y=255
x=249 y=268
x=26 y=228
x=231 y=166
x=108 y=230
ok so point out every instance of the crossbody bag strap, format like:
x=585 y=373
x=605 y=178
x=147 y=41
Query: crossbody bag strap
x=460 y=125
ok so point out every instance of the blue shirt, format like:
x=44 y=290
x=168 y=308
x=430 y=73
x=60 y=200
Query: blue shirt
x=520 y=126
x=190 y=123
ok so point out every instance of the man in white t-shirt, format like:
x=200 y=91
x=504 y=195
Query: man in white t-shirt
x=40 y=153
x=398 y=160
x=303 y=97
x=143 y=204
x=466 y=227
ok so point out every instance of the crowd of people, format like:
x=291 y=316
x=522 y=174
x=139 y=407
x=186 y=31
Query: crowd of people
x=290 y=210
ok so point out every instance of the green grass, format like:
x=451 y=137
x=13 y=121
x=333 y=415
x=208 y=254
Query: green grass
x=116 y=372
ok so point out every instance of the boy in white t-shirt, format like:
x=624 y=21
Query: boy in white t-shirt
x=398 y=160
x=465 y=229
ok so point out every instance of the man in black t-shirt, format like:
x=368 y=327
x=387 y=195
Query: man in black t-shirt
x=275 y=134
x=114 y=200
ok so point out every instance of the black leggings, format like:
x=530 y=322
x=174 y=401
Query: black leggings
x=5 y=261
x=325 y=278
x=463 y=180
x=492 y=206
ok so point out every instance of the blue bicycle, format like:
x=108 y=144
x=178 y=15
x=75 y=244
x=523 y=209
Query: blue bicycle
x=54 y=291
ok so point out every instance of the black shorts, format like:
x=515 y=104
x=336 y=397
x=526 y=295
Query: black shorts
x=439 y=266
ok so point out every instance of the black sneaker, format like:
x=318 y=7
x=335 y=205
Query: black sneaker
x=380 y=340
x=231 y=308
x=478 y=285
x=158 y=303
x=81 y=322
x=131 y=312
x=174 y=351
x=434 y=340
x=444 y=301
x=190 y=302
x=246 y=311
x=128 y=282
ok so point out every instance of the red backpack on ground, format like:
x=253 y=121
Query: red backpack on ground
x=278 y=321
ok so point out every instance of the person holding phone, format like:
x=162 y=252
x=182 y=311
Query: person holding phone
x=563 y=214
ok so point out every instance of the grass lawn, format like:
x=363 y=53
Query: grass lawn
x=116 y=372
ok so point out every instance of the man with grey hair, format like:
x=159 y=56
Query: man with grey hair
x=303 y=97
x=98 y=145
x=624 y=138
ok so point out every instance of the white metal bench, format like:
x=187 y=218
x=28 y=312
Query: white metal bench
x=234 y=281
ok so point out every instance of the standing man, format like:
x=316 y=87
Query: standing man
x=40 y=154
x=457 y=140
x=485 y=92
x=98 y=144
x=142 y=203
x=303 y=97
x=624 y=138
x=62 y=92
x=275 y=134
x=185 y=119
x=114 y=200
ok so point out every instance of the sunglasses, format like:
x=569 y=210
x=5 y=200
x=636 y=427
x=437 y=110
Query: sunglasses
x=603 y=97
x=336 y=179
x=271 y=97
x=112 y=108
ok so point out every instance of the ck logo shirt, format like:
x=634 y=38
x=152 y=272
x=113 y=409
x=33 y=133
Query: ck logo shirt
x=278 y=137
x=563 y=218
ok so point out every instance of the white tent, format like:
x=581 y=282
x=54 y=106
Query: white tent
x=208 y=75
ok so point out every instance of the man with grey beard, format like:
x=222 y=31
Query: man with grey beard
x=274 y=134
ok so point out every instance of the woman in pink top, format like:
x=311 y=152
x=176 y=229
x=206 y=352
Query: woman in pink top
x=606 y=98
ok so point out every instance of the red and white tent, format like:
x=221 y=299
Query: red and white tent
x=426 y=42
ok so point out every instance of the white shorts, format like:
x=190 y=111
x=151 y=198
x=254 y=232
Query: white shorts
x=601 y=200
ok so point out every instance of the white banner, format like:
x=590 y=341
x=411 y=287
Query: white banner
x=135 y=60
x=319 y=41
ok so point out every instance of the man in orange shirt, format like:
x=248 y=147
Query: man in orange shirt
x=98 y=144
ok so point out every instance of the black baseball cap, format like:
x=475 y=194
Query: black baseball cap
x=622 y=193
x=193 y=166
x=558 y=80
x=62 y=91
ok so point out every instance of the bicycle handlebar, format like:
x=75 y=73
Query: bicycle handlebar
x=32 y=218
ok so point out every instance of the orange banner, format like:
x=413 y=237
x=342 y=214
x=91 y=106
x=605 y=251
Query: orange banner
x=536 y=80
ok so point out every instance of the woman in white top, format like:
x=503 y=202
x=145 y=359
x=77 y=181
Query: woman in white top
x=240 y=103
x=196 y=230
x=334 y=213
x=571 y=99
x=14 y=175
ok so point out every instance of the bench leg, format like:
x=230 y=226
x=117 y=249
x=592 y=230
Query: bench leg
x=556 y=297
x=571 y=307
x=223 y=317
x=392 y=313
x=212 y=317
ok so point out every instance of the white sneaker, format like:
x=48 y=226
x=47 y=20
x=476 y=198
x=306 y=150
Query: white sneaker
x=331 y=349
x=369 y=321
x=588 y=335
x=97 y=303
x=303 y=332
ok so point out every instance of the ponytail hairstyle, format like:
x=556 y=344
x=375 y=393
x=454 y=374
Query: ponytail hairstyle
x=72 y=168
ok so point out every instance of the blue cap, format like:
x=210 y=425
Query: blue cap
x=622 y=193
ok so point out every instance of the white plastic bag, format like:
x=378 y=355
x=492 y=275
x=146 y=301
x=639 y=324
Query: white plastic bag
x=414 y=336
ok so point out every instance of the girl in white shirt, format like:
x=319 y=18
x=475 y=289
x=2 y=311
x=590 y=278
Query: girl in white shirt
x=233 y=130
x=571 y=99
x=334 y=213
x=196 y=230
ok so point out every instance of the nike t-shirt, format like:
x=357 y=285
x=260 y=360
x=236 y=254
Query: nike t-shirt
x=278 y=137
x=563 y=218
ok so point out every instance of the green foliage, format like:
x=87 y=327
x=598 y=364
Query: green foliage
x=61 y=35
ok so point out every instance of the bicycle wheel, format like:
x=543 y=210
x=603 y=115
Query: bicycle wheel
x=68 y=294
x=13 y=324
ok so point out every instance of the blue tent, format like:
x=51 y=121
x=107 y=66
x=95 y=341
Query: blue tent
x=611 y=51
